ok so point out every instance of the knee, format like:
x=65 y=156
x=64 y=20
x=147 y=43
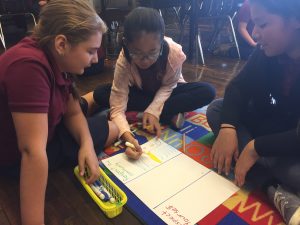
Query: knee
x=113 y=131
x=102 y=93
x=213 y=113
x=209 y=93
x=214 y=108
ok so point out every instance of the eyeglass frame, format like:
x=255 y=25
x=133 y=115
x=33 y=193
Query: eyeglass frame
x=151 y=57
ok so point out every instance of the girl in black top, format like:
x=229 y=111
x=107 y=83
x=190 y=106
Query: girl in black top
x=259 y=114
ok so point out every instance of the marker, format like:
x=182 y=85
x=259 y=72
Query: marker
x=118 y=143
x=105 y=192
x=102 y=195
x=130 y=145
x=153 y=157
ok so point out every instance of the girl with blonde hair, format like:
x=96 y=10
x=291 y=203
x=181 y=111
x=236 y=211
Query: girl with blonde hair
x=42 y=124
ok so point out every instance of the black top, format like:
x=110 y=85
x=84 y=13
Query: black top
x=150 y=81
x=265 y=97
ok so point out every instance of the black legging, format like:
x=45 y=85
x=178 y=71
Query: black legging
x=185 y=97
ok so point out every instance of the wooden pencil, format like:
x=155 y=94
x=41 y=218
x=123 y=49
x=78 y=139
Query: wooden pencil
x=183 y=142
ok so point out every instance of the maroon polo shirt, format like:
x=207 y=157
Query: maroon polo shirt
x=244 y=15
x=30 y=82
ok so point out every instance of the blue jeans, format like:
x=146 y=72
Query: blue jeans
x=284 y=169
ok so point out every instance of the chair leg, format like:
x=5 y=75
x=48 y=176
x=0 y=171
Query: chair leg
x=183 y=12
x=218 y=25
x=1 y=30
x=234 y=37
x=33 y=18
x=160 y=13
x=2 y=35
x=200 y=48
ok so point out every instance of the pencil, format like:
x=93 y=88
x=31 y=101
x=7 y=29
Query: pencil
x=183 y=142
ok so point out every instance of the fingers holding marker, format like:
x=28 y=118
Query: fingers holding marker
x=133 y=150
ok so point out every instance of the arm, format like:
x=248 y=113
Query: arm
x=242 y=28
x=32 y=132
x=119 y=96
x=244 y=18
x=236 y=100
x=76 y=123
x=241 y=89
x=118 y=103
x=286 y=144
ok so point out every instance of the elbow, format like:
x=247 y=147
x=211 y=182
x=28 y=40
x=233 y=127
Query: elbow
x=32 y=152
x=24 y=149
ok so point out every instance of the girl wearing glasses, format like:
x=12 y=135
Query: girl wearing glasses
x=148 y=79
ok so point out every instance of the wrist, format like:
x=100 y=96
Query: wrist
x=86 y=142
x=127 y=136
x=252 y=150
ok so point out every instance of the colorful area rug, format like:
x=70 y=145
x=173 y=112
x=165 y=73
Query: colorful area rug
x=247 y=206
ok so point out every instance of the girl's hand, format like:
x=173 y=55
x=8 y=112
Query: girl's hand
x=133 y=153
x=224 y=149
x=151 y=124
x=87 y=157
x=246 y=160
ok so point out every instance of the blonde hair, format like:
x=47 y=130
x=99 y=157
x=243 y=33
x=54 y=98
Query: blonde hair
x=76 y=19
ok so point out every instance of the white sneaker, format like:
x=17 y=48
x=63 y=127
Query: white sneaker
x=178 y=120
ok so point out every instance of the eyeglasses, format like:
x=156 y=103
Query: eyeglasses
x=141 y=56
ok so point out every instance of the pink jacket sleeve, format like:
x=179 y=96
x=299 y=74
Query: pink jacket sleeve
x=119 y=94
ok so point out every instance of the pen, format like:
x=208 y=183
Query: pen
x=130 y=145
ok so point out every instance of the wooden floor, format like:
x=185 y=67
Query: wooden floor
x=66 y=201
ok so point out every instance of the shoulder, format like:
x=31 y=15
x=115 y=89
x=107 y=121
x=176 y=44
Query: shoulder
x=25 y=52
x=176 y=56
x=122 y=61
x=259 y=60
x=258 y=67
x=25 y=62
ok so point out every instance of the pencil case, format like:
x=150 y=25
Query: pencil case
x=110 y=209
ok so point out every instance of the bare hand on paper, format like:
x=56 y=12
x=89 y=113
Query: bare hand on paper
x=246 y=160
x=151 y=124
x=224 y=149
x=136 y=152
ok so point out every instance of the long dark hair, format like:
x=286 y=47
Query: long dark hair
x=283 y=8
x=147 y=20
